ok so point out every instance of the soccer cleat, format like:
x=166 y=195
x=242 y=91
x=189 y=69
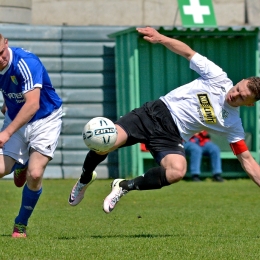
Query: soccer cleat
x=20 y=175
x=19 y=230
x=114 y=196
x=77 y=192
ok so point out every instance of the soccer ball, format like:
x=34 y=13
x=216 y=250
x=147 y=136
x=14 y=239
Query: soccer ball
x=99 y=134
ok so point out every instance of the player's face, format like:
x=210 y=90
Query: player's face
x=240 y=95
x=4 y=54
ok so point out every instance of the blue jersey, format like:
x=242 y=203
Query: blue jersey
x=23 y=73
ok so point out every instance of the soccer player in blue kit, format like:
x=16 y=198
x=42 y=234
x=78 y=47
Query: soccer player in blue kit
x=31 y=127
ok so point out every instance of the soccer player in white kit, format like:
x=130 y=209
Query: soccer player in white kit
x=31 y=127
x=211 y=102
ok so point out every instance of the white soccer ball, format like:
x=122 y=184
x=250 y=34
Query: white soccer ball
x=99 y=134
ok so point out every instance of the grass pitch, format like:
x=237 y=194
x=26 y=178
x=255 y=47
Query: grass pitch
x=186 y=220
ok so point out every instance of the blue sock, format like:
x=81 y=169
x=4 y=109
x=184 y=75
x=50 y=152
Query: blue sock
x=19 y=166
x=29 y=200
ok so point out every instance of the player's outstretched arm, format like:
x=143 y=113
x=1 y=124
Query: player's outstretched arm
x=250 y=166
x=176 y=46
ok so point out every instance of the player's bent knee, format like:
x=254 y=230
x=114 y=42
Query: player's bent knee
x=175 y=166
x=34 y=176
x=175 y=174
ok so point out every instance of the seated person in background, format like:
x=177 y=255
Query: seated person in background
x=199 y=145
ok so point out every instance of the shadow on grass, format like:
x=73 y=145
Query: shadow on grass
x=152 y=236
x=119 y=236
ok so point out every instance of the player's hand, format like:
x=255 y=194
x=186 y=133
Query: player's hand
x=4 y=137
x=150 y=34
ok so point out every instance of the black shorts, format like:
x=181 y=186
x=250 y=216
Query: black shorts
x=152 y=124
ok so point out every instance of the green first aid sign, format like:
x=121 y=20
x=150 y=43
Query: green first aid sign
x=197 y=13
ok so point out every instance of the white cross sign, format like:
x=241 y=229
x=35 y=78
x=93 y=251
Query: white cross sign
x=196 y=10
x=198 y=13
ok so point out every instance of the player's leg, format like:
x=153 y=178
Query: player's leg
x=9 y=165
x=15 y=148
x=6 y=164
x=19 y=171
x=43 y=135
x=88 y=174
x=164 y=143
x=13 y=152
x=31 y=192
x=173 y=168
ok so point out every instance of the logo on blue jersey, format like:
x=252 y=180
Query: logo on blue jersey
x=13 y=78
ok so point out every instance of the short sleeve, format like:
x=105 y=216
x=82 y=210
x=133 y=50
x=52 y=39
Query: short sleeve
x=204 y=67
x=30 y=73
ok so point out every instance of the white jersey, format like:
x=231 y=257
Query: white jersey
x=200 y=104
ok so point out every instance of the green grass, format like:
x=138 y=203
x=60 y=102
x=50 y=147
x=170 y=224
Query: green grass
x=183 y=221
